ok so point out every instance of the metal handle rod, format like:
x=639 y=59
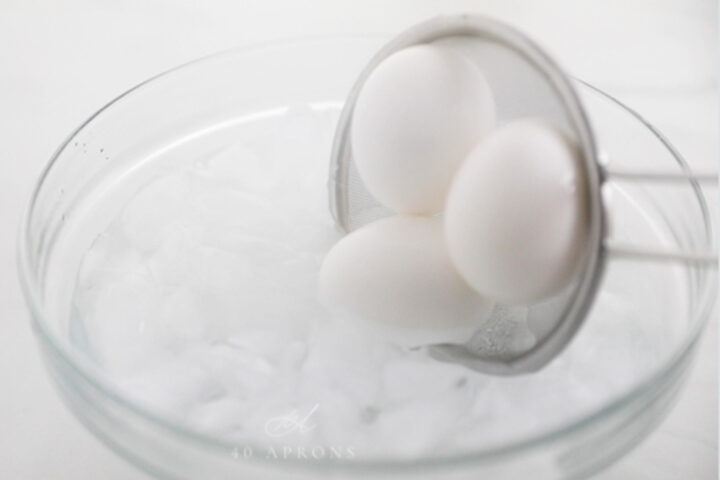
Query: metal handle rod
x=649 y=176
x=620 y=250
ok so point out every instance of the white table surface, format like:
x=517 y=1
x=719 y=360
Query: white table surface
x=60 y=61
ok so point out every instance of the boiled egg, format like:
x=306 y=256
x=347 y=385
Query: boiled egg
x=416 y=117
x=395 y=273
x=517 y=214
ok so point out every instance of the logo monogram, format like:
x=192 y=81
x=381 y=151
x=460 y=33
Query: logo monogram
x=292 y=422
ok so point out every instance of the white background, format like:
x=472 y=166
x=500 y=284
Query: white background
x=60 y=61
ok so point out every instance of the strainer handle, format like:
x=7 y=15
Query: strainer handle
x=621 y=250
x=649 y=176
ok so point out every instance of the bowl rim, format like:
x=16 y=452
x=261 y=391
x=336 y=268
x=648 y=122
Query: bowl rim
x=30 y=286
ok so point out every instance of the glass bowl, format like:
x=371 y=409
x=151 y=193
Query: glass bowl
x=198 y=106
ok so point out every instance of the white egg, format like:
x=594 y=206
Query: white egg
x=417 y=116
x=517 y=216
x=395 y=273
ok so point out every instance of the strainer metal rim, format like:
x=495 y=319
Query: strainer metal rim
x=590 y=273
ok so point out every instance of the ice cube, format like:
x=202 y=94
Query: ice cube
x=172 y=385
x=418 y=426
x=148 y=217
x=122 y=321
x=220 y=416
x=410 y=378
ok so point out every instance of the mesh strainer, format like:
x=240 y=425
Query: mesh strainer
x=526 y=82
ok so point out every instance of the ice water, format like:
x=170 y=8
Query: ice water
x=199 y=301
